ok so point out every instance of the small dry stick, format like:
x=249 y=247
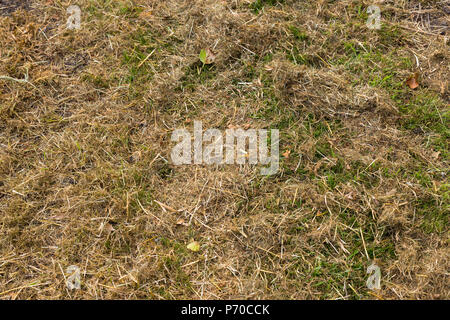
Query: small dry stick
x=142 y=62
x=364 y=244
x=17 y=80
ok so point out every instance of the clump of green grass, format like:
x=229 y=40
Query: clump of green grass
x=258 y=5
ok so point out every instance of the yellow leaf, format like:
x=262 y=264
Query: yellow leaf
x=207 y=56
x=194 y=246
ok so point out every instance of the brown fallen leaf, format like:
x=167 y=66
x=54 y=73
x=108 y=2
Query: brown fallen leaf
x=181 y=222
x=287 y=153
x=412 y=81
x=435 y=155
x=145 y=14
x=109 y=228
x=247 y=126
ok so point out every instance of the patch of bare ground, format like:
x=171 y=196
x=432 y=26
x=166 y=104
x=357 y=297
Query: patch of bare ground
x=9 y=6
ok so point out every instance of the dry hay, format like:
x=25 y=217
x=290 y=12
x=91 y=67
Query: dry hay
x=85 y=123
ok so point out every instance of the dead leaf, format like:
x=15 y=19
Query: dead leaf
x=109 y=228
x=145 y=14
x=287 y=153
x=412 y=82
x=181 y=222
x=210 y=56
x=435 y=155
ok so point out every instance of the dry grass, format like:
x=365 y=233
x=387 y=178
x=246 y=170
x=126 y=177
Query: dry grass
x=85 y=123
